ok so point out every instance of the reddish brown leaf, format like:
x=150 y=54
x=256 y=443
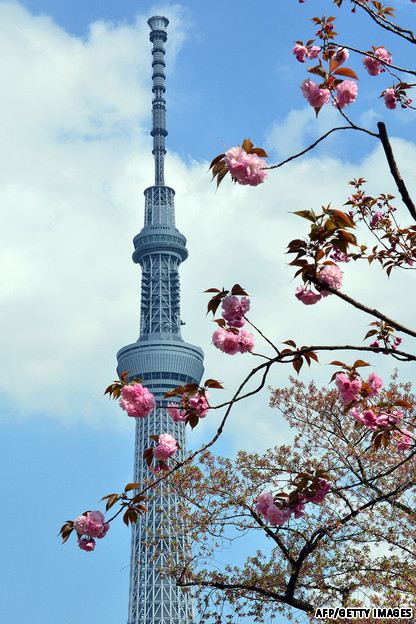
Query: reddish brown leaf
x=132 y=486
x=238 y=290
x=213 y=383
x=346 y=71
x=216 y=160
x=247 y=145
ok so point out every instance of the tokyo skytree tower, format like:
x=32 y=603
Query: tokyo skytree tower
x=162 y=360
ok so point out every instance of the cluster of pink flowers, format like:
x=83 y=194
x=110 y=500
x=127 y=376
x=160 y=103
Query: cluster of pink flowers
x=381 y=421
x=302 y=52
x=376 y=419
x=233 y=339
x=346 y=93
x=89 y=526
x=396 y=342
x=136 y=400
x=312 y=92
x=376 y=218
x=306 y=295
x=277 y=516
x=234 y=309
x=390 y=98
x=196 y=404
x=339 y=256
x=403 y=437
x=330 y=275
x=166 y=447
x=375 y=66
x=352 y=389
x=245 y=168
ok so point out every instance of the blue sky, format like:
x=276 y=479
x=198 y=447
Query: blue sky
x=75 y=157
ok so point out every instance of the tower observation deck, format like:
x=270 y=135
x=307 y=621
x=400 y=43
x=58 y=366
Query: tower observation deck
x=162 y=360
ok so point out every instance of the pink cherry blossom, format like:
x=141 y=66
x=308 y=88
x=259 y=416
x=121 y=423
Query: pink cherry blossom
x=369 y=418
x=403 y=439
x=373 y=65
x=198 y=402
x=81 y=525
x=277 y=516
x=232 y=343
x=377 y=217
x=375 y=344
x=86 y=543
x=245 y=341
x=339 y=256
x=398 y=341
x=300 y=52
x=245 y=168
x=349 y=389
x=298 y=510
x=177 y=415
x=375 y=383
x=316 y=96
x=313 y=52
x=390 y=98
x=346 y=93
x=167 y=446
x=308 y=297
x=341 y=55
x=233 y=310
x=263 y=502
x=137 y=401
x=331 y=275
x=104 y=530
x=324 y=487
x=92 y=524
x=96 y=523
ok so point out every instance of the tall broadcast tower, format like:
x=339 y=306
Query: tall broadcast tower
x=162 y=360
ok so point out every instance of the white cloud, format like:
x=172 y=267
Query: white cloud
x=74 y=161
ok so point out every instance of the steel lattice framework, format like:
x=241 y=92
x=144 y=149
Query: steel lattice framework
x=162 y=359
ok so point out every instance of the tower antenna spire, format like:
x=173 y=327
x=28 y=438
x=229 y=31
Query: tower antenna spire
x=158 y=37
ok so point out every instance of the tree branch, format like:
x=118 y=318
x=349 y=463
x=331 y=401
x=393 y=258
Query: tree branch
x=395 y=170
x=362 y=307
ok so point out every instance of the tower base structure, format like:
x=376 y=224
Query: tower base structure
x=162 y=363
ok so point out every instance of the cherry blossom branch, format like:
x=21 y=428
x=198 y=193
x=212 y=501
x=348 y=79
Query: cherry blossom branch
x=323 y=532
x=363 y=308
x=273 y=346
x=394 y=170
x=379 y=60
x=322 y=138
x=385 y=23
x=302 y=605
